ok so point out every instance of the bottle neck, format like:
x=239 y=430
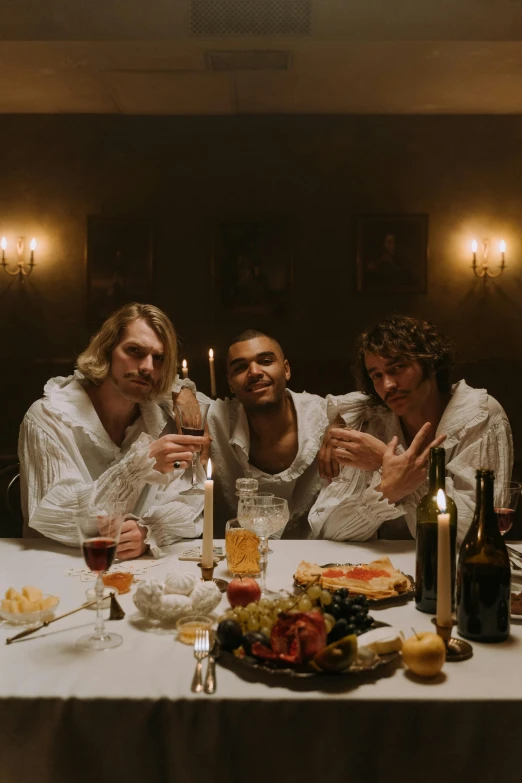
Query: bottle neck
x=437 y=472
x=485 y=508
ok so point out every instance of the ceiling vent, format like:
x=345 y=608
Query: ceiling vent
x=248 y=61
x=251 y=17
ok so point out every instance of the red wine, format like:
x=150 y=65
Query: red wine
x=99 y=553
x=192 y=431
x=505 y=519
x=426 y=536
x=484 y=574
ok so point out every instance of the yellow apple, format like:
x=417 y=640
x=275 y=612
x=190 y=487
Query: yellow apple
x=424 y=654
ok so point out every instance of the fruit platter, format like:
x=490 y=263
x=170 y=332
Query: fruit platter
x=313 y=634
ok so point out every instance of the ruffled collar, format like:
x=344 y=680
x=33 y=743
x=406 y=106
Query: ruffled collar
x=466 y=408
x=67 y=398
x=311 y=424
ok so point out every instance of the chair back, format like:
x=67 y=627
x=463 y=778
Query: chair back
x=11 y=519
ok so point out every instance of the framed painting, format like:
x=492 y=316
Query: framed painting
x=392 y=253
x=253 y=266
x=119 y=264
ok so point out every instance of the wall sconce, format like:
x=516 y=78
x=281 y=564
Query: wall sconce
x=24 y=267
x=483 y=270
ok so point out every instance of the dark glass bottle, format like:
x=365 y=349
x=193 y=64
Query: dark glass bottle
x=427 y=536
x=483 y=573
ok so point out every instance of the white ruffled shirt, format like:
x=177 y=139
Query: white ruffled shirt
x=478 y=435
x=68 y=463
x=299 y=484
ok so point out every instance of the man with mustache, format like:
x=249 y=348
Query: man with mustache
x=106 y=436
x=266 y=432
x=407 y=406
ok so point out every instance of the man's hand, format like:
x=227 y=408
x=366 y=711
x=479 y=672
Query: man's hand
x=357 y=449
x=175 y=448
x=132 y=540
x=185 y=396
x=403 y=473
x=327 y=464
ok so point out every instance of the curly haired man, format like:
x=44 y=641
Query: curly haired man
x=403 y=368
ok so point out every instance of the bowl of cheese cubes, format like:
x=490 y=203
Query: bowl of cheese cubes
x=27 y=606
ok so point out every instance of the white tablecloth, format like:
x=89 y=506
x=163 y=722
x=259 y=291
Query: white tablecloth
x=128 y=714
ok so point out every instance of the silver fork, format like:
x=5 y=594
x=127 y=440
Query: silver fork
x=201 y=648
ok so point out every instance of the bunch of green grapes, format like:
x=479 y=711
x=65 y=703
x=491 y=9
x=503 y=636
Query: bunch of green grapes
x=261 y=615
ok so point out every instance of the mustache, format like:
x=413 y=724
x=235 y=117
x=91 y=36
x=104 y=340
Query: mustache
x=138 y=376
x=396 y=393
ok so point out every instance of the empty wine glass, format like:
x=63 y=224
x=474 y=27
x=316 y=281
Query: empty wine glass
x=264 y=515
x=99 y=536
x=506 y=499
x=193 y=420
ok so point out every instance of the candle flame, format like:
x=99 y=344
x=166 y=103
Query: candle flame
x=184 y=364
x=209 y=468
x=33 y=244
x=211 y=354
x=474 y=246
x=441 y=500
x=502 y=246
x=3 y=243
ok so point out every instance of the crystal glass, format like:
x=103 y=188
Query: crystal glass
x=506 y=497
x=264 y=515
x=193 y=420
x=99 y=536
x=242 y=548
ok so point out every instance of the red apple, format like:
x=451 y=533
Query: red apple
x=241 y=592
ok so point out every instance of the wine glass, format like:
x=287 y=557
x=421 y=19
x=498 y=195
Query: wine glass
x=264 y=515
x=506 y=499
x=99 y=536
x=193 y=420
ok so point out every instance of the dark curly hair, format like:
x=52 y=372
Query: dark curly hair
x=414 y=339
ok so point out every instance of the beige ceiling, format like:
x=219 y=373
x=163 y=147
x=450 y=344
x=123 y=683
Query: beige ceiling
x=137 y=57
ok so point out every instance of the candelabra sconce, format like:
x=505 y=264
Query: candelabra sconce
x=24 y=267
x=482 y=269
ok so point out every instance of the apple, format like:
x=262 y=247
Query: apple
x=241 y=592
x=424 y=654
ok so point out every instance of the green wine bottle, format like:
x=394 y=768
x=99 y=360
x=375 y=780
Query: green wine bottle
x=427 y=536
x=484 y=574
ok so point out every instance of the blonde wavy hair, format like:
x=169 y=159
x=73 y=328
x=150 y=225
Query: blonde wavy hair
x=95 y=361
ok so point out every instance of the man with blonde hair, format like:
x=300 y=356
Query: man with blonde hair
x=105 y=437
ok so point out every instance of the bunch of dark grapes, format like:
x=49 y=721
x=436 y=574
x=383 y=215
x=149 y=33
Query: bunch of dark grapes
x=350 y=613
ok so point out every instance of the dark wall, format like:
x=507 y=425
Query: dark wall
x=465 y=172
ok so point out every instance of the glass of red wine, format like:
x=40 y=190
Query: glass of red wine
x=507 y=495
x=99 y=536
x=192 y=418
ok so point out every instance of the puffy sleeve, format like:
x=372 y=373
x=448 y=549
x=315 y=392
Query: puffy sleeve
x=494 y=451
x=350 y=508
x=54 y=489
x=173 y=517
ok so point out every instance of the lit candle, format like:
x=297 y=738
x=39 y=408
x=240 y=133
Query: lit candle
x=207 y=549
x=444 y=615
x=212 y=373
x=32 y=247
x=474 y=247
x=3 y=243
x=184 y=369
x=502 y=248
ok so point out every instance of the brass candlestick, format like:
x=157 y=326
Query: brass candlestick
x=207 y=575
x=456 y=649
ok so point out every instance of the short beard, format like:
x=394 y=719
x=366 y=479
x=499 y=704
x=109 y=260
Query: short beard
x=139 y=395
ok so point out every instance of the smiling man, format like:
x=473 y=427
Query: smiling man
x=105 y=436
x=408 y=405
x=266 y=432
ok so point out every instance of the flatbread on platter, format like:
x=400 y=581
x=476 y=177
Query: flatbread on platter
x=376 y=580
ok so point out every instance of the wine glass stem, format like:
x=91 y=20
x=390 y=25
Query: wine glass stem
x=194 y=468
x=263 y=561
x=99 y=630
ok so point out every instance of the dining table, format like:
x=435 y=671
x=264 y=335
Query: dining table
x=128 y=713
